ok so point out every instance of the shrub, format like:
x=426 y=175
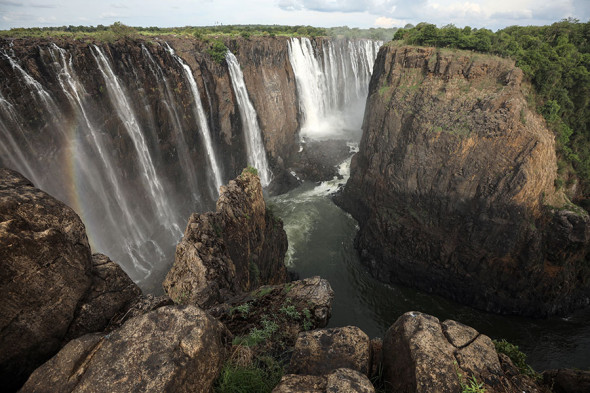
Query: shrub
x=217 y=51
x=517 y=357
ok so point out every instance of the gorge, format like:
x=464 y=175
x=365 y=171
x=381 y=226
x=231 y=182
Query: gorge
x=137 y=135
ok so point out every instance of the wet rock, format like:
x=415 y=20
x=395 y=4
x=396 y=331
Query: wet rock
x=319 y=352
x=342 y=380
x=454 y=186
x=422 y=355
x=46 y=272
x=111 y=292
x=171 y=349
x=567 y=380
x=239 y=247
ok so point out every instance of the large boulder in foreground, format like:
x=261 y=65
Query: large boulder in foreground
x=454 y=186
x=46 y=272
x=421 y=354
x=51 y=287
x=321 y=351
x=171 y=349
x=234 y=249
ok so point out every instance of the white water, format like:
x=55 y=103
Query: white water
x=254 y=145
x=332 y=84
x=149 y=175
x=200 y=116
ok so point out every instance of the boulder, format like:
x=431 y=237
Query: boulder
x=420 y=354
x=46 y=272
x=237 y=248
x=342 y=380
x=317 y=293
x=171 y=349
x=318 y=352
x=567 y=380
x=110 y=292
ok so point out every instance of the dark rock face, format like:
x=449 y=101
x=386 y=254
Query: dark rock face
x=110 y=292
x=567 y=380
x=321 y=351
x=420 y=354
x=171 y=349
x=46 y=272
x=237 y=248
x=453 y=186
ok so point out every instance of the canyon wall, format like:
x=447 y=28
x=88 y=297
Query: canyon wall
x=137 y=134
x=453 y=186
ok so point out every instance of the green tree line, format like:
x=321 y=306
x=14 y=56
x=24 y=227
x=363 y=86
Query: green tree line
x=556 y=59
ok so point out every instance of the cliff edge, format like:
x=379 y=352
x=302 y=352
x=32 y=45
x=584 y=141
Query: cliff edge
x=453 y=186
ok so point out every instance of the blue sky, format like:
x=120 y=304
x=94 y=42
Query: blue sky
x=493 y=14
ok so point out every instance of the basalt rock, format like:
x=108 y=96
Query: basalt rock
x=239 y=247
x=421 y=354
x=52 y=289
x=567 y=380
x=171 y=349
x=453 y=186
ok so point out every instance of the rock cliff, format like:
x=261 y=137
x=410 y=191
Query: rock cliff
x=453 y=186
x=234 y=249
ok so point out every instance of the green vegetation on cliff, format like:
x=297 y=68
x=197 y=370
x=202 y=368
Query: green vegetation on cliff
x=114 y=31
x=556 y=59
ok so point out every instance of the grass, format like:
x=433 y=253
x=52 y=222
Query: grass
x=258 y=336
x=259 y=377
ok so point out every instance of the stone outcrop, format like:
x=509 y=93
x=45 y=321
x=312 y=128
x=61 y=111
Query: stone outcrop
x=421 y=354
x=453 y=186
x=342 y=380
x=52 y=289
x=319 y=352
x=171 y=349
x=111 y=291
x=234 y=249
x=46 y=272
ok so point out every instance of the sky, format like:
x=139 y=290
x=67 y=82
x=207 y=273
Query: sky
x=492 y=14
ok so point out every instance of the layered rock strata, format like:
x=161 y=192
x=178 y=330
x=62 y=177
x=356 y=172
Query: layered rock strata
x=453 y=186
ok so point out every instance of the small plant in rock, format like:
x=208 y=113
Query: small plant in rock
x=261 y=376
x=251 y=169
x=217 y=51
x=469 y=385
x=290 y=311
x=243 y=309
x=517 y=357
x=258 y=336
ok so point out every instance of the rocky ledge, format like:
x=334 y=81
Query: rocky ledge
x=453 y=186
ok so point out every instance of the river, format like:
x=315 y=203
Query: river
x=321 y=242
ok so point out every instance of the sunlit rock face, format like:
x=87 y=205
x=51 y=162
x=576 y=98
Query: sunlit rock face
x=454 y=190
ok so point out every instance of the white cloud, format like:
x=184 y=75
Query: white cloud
x=46 y=20
x=383 y=21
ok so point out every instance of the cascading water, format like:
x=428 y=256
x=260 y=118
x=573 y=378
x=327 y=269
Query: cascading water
x=254 y=145
x=332 y=84
x=199 y=114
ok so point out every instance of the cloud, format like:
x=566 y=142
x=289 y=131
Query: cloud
x=119 y=6
x=42 y=5
x=46 y=20
x=12 y=3
x=383 y=21
x=109 y=15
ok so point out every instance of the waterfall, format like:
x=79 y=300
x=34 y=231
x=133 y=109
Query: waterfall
x=200 y=116
x=170 y=104
x=254 y=145
x=332 y=83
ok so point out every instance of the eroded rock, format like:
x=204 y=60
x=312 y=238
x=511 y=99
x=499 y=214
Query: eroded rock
x=567 y=380
x=422 y=355
x=318 y=352
x=111 y=291
x=235 y=249
x=171 y=349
